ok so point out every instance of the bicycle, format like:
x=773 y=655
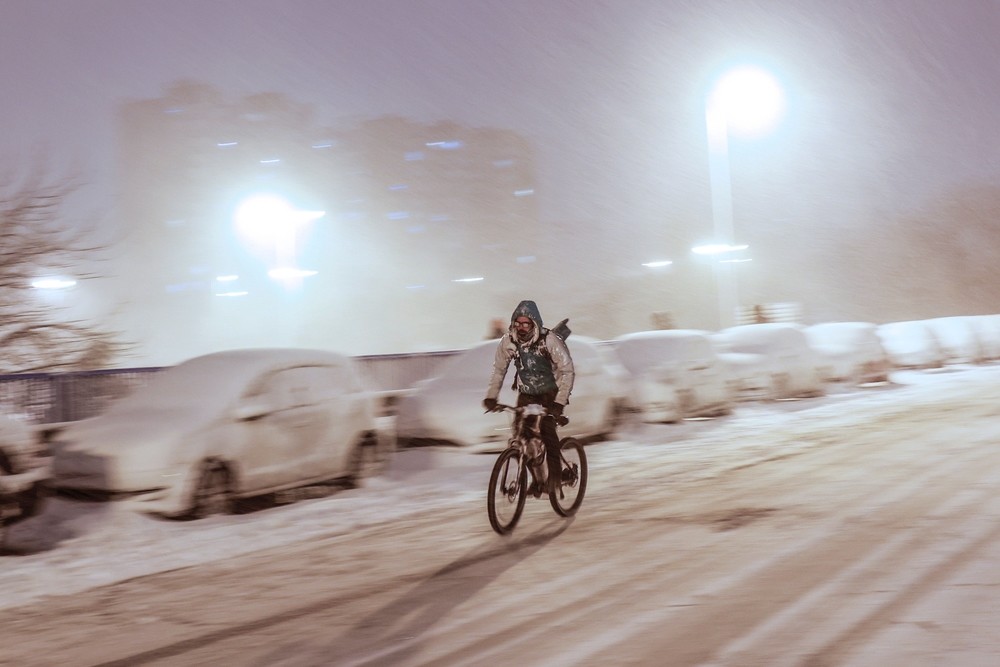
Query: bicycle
x=525 y=453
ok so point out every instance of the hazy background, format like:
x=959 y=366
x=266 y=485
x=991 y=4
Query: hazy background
x=874 y=199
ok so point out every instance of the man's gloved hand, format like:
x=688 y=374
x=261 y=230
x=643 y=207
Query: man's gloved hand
x=490 y=404
x=556 y=410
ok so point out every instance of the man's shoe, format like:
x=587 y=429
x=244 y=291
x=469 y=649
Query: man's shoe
x=535 y=489
x=555 y=486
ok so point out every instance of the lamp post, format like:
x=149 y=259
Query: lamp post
x=745 y=101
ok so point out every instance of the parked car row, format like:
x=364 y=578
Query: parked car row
x=205 y=435
x=447 y=407
x=771 y=361
x=941 y=341
x=676 y=374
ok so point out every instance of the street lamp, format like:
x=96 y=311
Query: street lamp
x=745 y=101
x=272 y=227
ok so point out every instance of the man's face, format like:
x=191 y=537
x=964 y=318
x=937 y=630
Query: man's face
x=524 y=328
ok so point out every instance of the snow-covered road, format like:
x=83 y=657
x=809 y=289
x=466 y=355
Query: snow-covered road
x=859 y=528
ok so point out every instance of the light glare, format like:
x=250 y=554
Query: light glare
x=53 y=283
x=290 y=273
x=717 y=248
x=751 y=100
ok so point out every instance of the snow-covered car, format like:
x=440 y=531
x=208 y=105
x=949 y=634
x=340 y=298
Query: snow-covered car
x=771 y=360
x=849 y=352
x=675 y=374
x=226 y=426
x=988 y=328
x=911 y=344
x=24 y=471
x=959 y=338
x=447 y=408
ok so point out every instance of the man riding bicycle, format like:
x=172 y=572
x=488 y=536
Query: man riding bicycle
x=544 y=375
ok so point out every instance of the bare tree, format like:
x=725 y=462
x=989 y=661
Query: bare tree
x=35 y=239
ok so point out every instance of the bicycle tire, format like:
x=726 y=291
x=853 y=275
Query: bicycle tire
x=568 y=496
x=506 y=494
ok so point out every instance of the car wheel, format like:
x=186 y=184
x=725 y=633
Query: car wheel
x=614 y=419
x=685 y=402
x=620 y=414
x=19 y=506
x=723 y=411
x=369 y=458
x=33 y=501
x=212 y=493
x=780 y=386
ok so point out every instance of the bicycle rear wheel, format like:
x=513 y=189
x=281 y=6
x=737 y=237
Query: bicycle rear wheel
x=568 y=495
x=507 y=491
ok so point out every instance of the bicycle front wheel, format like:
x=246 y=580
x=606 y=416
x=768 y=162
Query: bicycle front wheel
x=507 y=492
x=567 y=496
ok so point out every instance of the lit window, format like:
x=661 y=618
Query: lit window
x=399 y=186
x=527 y=192
x=503 y=164
x=413 y=156
x=227 y=144
x=398 y=215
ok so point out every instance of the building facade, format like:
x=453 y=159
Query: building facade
x=248 y=222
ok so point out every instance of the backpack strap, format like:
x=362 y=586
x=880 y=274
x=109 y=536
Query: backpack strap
x=542 y=347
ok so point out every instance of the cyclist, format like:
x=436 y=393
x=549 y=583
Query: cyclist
x=544 y=375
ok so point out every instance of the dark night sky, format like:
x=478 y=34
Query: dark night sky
x=891 y=102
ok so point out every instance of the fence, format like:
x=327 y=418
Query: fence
x=47 y=398
x=44 y=398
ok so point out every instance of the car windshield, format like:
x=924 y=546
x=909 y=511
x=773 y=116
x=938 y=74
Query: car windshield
x=203 y=383
x=640 y=354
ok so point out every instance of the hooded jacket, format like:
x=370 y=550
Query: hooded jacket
x=544 y=364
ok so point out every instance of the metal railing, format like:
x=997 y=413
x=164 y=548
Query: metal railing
x=49 y=398
x=45 y=398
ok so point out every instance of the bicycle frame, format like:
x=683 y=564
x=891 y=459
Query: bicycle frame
x=508 y=485
x=526 y=436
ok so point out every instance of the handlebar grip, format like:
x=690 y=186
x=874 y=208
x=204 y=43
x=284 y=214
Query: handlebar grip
x=562 y=420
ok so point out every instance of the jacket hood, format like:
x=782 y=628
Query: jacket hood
x=527 y=309
x=530 y=310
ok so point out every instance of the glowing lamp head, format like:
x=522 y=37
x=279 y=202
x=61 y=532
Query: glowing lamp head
x=751 y=99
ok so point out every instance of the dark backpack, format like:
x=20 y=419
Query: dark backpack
x=561 y=330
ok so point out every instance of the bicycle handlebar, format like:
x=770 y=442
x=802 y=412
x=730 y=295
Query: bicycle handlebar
x=561 y=420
